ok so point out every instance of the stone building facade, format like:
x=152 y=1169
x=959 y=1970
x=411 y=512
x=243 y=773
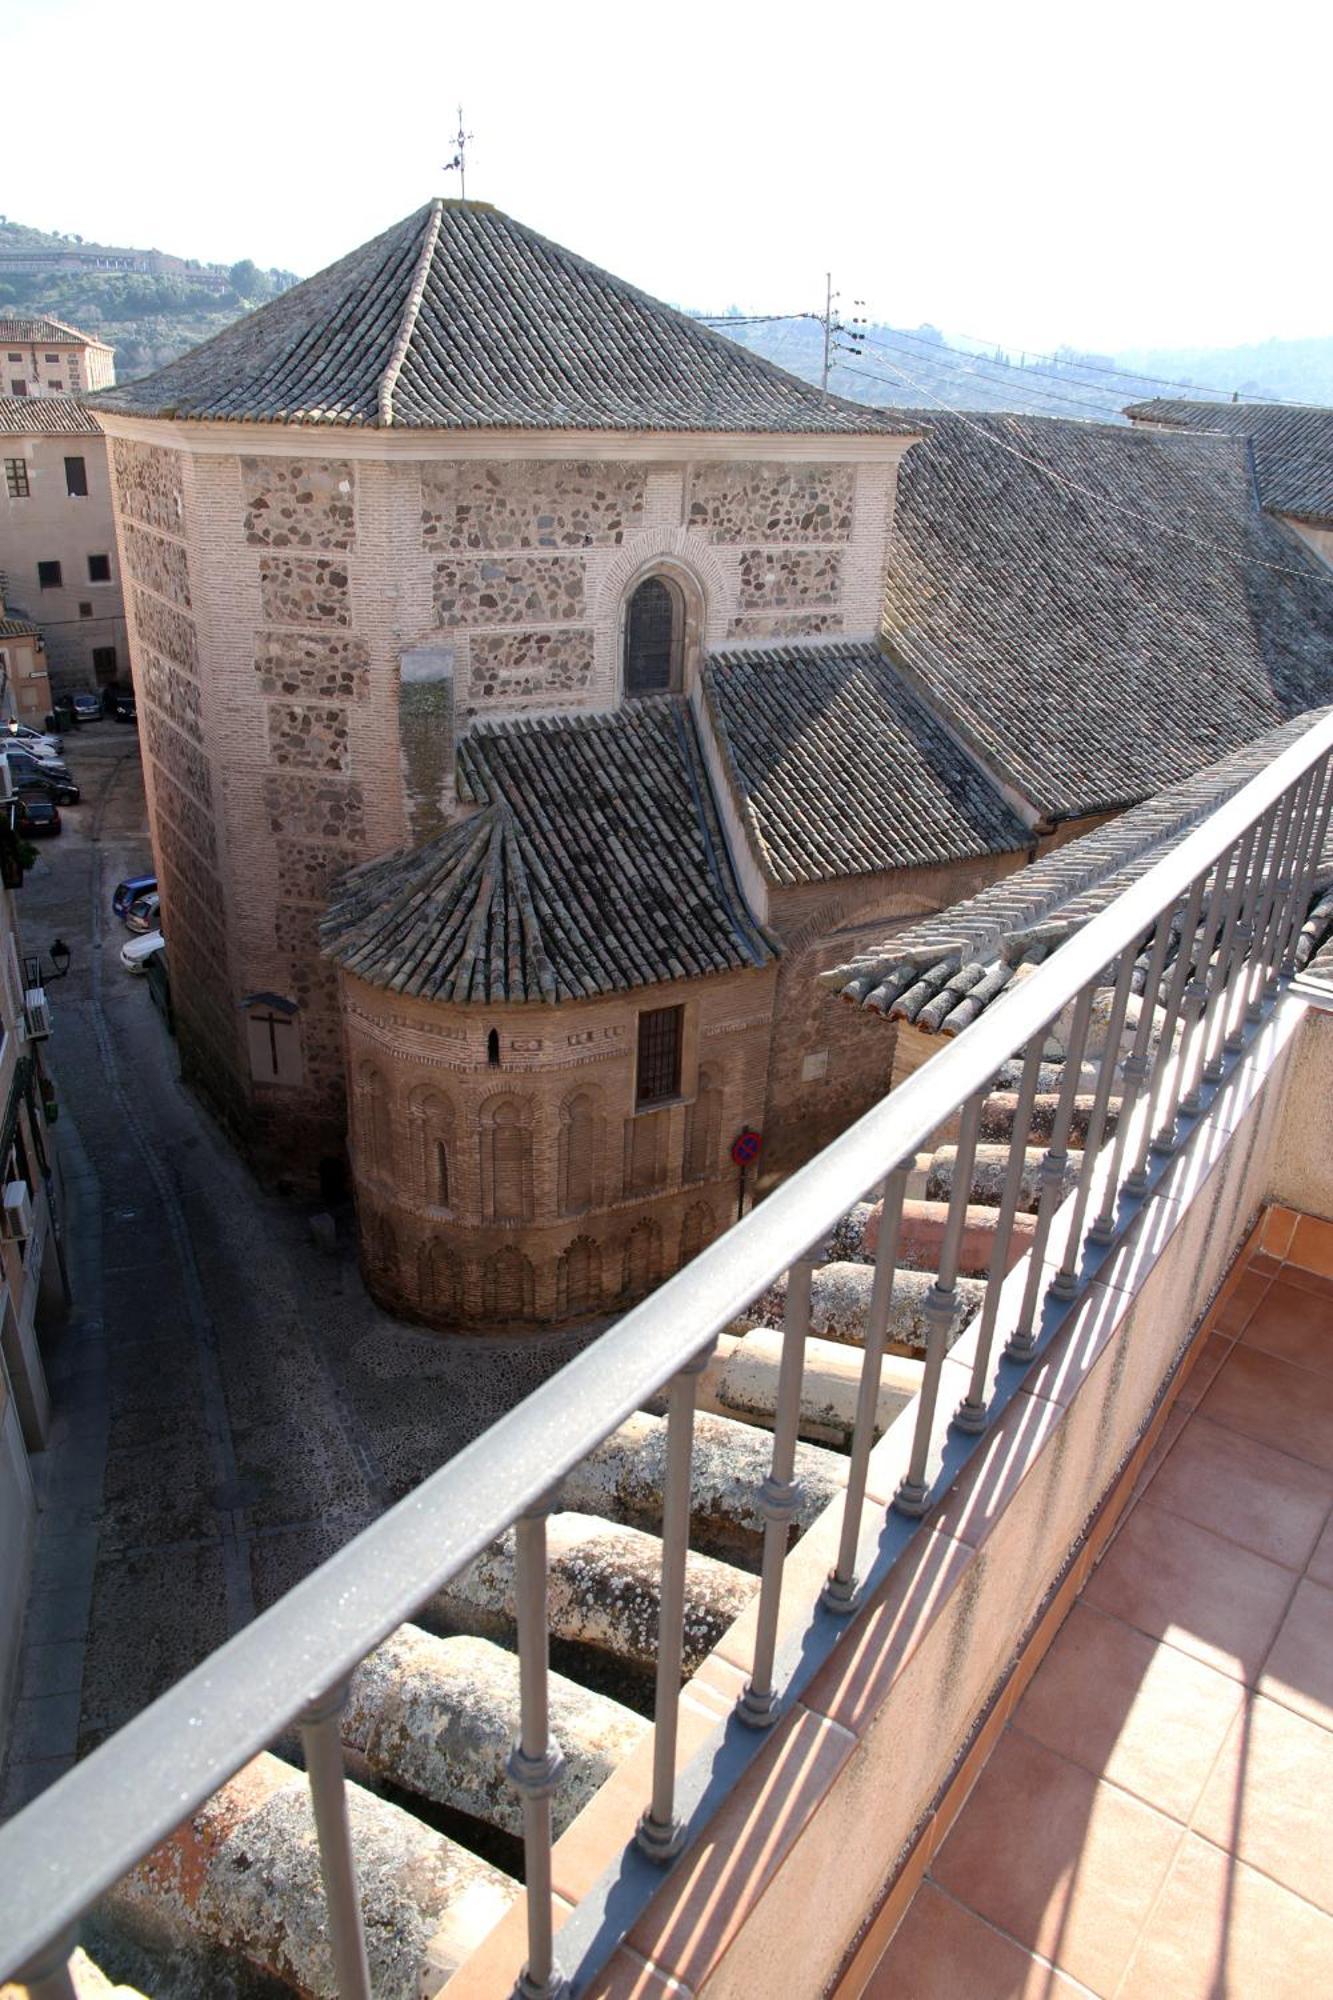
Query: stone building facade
x=44 y=357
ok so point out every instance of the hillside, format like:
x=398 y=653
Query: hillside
x=149 y=304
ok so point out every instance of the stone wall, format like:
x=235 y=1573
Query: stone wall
x=322 y=664
x=299 y=503
x=568 y=505
x=495 y=1194
x=159 y=563
x=770 y=502
x=149 y=484
x=304 y=590
x=509 y=590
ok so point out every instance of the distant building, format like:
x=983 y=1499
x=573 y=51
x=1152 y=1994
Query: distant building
x=25 y=687
x=1292 y=448
x=59 y=565
x=44 y=357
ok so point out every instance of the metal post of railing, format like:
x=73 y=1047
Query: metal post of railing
x=1135 y=1076
x=1248 y=936
x=328 y=1797
x=971 y=1412
x=1237 y=890
x=660 y=1833
x=49 y=1977
x=1136 y=1181
x=1302 y=834
x=1065 y=1282
x=840 y=1591
x=1290 y=818
x=1321 y=804
x=535 y=1762
x=779 y=1497
x=1022 y=1342
x=940 y=1310
x=1188 y=1079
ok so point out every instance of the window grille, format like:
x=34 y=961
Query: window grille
x=16 y=478
x=659 y=1055
x=650 y=638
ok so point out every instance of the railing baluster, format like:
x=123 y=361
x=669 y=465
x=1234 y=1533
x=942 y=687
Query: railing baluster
x=1290 y=814
x=1022 y=1342
x=778 y=1497
x=1136 y=1182
x=49 y=1977
x=971 y=1412
x=1320 y=806
x=328 y=1797
x=940 y=1308
x=1189 y=1070
x=535 y=1762
x=1247 y=941
x=840 y=1592
x=1135 y=1076
x=660 y=1833
x=1235 y=895
x=1065 y=1282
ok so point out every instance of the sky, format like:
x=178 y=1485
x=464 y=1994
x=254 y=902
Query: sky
x=1144 y=175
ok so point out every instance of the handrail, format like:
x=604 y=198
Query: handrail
x=95 y=1823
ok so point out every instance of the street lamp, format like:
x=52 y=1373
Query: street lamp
x=60 y=958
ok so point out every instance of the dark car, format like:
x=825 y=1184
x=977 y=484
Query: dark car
x=36 y=817
x=40 y=783
x=126 y=709
x=87 y=706
x=129 y=891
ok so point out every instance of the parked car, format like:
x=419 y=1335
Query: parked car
x=87 y=706
x=126 y=709
x=40 y=782
x=36 y=817
x=39 y=742
x=129 y=891
x=142 y=915
x=135 y=955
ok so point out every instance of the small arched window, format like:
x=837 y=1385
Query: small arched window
x=652 y=638
x=493 y=1048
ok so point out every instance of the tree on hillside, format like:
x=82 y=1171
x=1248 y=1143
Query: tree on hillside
x=247 y=280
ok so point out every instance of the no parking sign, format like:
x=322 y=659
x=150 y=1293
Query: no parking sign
x=746 y=1148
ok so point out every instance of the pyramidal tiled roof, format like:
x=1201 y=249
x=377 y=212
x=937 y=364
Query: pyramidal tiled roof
x=17 y=326
x=1293 y=446
x=461 y=318
x=595 y=865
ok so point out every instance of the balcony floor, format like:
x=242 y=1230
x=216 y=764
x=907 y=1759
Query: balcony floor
x=1154 y=1819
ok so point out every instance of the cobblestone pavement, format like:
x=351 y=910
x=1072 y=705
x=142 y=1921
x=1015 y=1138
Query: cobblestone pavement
x=230 y=1406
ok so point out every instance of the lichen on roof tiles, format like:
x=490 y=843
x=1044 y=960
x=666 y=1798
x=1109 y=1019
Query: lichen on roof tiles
x=1103 y=610
x=460 y=318
x=594 y=864
x=842 y=768
x=1293 y=446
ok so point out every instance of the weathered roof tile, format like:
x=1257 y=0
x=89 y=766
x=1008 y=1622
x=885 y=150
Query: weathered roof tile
x=1293 y=446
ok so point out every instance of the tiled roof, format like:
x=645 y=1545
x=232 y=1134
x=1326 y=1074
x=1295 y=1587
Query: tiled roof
x=843 y=770
x=941 y=973
x=1102 y=610
x=1293 y=446
x=17 y=628
x=53 y=331
x=596 y=864
x=460 y=318
x=24 y=415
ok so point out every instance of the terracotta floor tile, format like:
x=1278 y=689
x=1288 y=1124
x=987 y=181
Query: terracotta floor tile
x=942 y=1951
x=1065 y=1865
x=1299 y=1670
x=1141 y=1715
x=1294 y=1325
x=1222 y=1929
x=1264 y=1499
x=1320 y=1565
x=1307 y=1281
x=1312 y=1246
x=1268 y=1399
x=1263 y=1265
x=1234 y=1311
x=1207 y=1596
x=1268 y=1799
x=1207 y=1362
x=1276 y=1231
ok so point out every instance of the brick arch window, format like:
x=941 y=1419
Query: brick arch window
x=654 y=637
x=703 y=1130
x=578 y=1277
x=506 y=1159
x=507 y=1285
x=432 y=1120
x=580 y=1152
x=696 y=1231
x=643 y=1258
x=374 y=1124
x=438 y=1284
x=382 y=1244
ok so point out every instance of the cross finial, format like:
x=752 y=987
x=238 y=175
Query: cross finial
x=458 y=164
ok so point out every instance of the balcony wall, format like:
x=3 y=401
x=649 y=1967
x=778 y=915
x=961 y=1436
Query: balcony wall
x=891 y=1731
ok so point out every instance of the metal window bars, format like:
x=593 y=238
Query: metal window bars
x=1202 y=939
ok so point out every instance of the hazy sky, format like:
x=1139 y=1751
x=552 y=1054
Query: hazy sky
x=1147 y=173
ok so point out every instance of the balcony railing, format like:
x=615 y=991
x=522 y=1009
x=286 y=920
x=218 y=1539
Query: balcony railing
x=1206 y=936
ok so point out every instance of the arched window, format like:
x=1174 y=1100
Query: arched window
x=703 y=1129
x=432 y=1122
x=493 y=1048
x=507 y=1285
x=696 y=1231
x=578 y=1278
x=653 y=638
x=437 y=1280
x=643 y=1258
x=375 y=1130
x=580 y=1145
x=506 y=1160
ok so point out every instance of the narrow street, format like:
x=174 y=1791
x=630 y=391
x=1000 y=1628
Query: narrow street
x=230 y=1406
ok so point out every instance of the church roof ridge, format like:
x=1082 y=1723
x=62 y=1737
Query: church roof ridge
x=461 y=318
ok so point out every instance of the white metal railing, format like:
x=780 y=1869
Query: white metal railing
x=1206 y=935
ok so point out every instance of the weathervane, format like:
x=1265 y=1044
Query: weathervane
x=458 y=164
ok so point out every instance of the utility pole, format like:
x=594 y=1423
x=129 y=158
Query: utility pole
x=458 y=164
x=829 y=296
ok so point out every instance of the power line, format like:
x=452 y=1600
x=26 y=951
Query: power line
x=748 y=319
x=1194 y=391
x=1084 y=492
x=1093 y=412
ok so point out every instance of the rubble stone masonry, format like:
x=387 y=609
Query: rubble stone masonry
x=149 y=484
x=299 y=503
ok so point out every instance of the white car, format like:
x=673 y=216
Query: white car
x=31 y=740
x=135 y=955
